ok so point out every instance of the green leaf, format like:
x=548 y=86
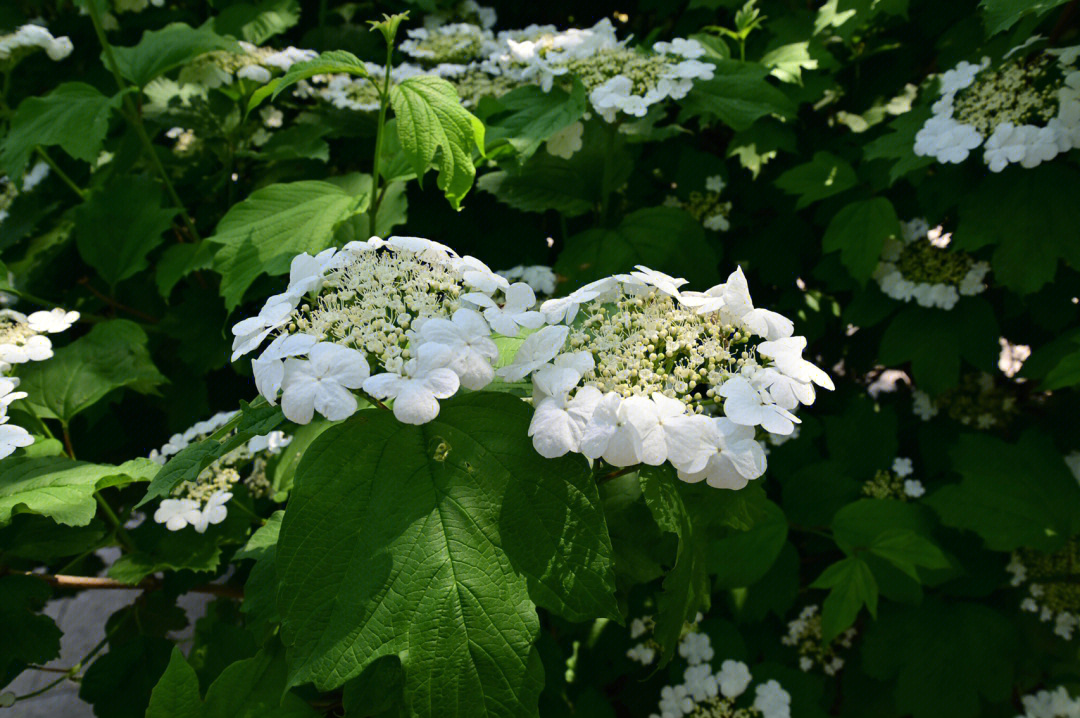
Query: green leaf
x=1065 y=373
x=299 y=142
x=760 y=144
x=907 y=550
x=1030 y=219
x=158 y=549
x=120 y=683
x=378 y=691
x=112 y=355
x=430 y=122
x=334 y=62
x=159 y=51
x=787 y=62
x=528 y=116
x=858 y=232
x=944 y=657
x=188 y=463
x=176 y=694
x=37 y=537
x=686 y=587
x=260 y=591
x=455 y=528
x=134 y=203
x=852 y=586
x=252 y=688
x=1000 y=15
x=180 y=260
x=738 y=95
x=743 y=551
x=934 y=341
x=257 y=21
x=29 y=637
x=664 y=238
x=265 y=231
x=823 y=176
x=1012 y=495
x=74 y=116
x=896 y=144
x=60 y=488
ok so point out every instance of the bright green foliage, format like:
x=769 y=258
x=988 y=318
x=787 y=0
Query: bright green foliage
x=525 y=117
x=457 y=528
x=858 y=232
x=264 y=232
x=159 y=51
x=852 y=586
x=74 y=116
x=738 y=95
x=112 y=355
x=133 y=204
x=433 y=126
x=333 y=62
x=257 y=21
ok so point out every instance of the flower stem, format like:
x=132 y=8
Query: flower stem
x=60 y=173
x=384 y=101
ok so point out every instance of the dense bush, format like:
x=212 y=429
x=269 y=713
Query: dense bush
x=251 y=342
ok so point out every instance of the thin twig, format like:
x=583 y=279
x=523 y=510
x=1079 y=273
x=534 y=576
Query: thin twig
x=150 y=584
x=616 y=474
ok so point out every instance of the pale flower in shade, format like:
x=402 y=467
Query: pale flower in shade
x=423 y=380
x=322 y=383
x=733 y=677
x=178 y=513
x=214 y=512
x=52 y=321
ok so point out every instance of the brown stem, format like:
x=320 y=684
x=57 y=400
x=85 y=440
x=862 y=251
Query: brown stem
x=85 y=281
x=149 y=584
x=616 y=474
x=1062 y=23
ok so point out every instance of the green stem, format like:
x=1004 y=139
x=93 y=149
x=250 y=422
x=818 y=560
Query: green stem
x=384 y=101
x=60 y=173
x=118 y=526
x=249 y=512
x=131 y=113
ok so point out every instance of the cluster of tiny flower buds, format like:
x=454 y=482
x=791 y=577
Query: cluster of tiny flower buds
x=23 y=339
x=920 y=266
x=894 y=483
x=706 y=207
x=1053 y=592
x=1050 y=704
x=804 y=635
x=705 y=691
x=202 y=502
x=1023 y=110
x=629 y=369
x=30 y=38
x=980 y=401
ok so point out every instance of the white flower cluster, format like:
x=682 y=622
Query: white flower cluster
x=202 y=502
x=618 y=78
x=979 y=401
x=1024 y=111
x=1050 y=704
x=402 y=306
x=648 y=374
x=804 y=634
x=256 y=64
x=706 y=207
x=895 y=484
x=920 y=266
x=704 y=692
x=645 y=651
x=22 y=340
x=1051 y=578
x=653 y=374
x=30 y=37
x=541 y=278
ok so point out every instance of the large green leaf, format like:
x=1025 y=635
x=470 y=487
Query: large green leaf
x=664 y=238
x=934 y=341
x=431 y=122
x=112 y=355
x=1012 y=495
x=176 y=694
x=852 y=586
x=159 y=51
x=1000 y=15
x=1029 y=217
x=821 y=177
x=686 y=587
x=134 y=203
x=74 y=116
x=746 y=542
x=60 y=488
x=944 y=657
x=257 y=21
x=333 y=62
x=528 y=116
x=29 y=637
x=739 y=94
x=455 y=528
x=264 y=232
x=858 y=232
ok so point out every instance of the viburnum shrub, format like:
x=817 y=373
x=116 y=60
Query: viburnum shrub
x=771 y=413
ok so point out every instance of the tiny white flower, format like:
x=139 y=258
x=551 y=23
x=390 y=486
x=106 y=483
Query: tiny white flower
x=733 y=677
x=902 y=466
x=424 y=380
x=786 y=354
x=12 y=437
x=36 y=348
x=612 y=434
x=566 y=141
x=772 y=700
x=745 y=405
x=516 y=312
x=178 y=513
x=732 y=459
x=479 y=276
x=913 y=488
x=306 y=272
x=322 y=382
x=255 y=73
x=764 y=323
x=665 y=283
x=249 y=333
x=469 y=338
x=52 y=321
x=714 y=183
